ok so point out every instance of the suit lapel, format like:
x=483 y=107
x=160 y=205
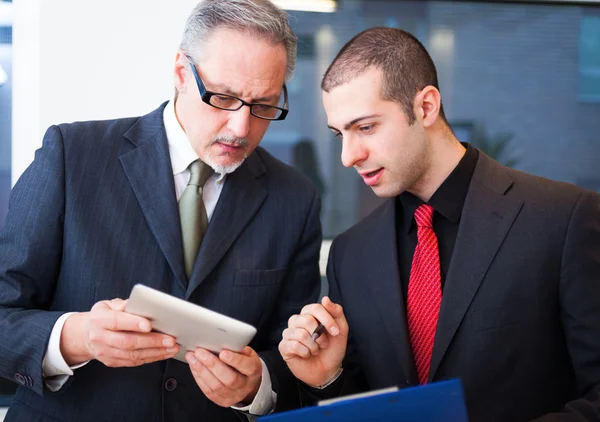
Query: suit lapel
x=385 y=286
x=486 y=219
x=241 y=198
x=148 y=168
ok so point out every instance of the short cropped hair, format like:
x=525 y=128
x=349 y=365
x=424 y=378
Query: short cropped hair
x=404 y=62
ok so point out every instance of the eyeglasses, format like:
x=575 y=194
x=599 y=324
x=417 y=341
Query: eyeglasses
x=231 y=103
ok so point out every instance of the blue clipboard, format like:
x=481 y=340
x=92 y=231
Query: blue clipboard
x=436 y=402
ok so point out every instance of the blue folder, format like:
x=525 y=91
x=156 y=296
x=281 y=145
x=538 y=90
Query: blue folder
x=436 y=402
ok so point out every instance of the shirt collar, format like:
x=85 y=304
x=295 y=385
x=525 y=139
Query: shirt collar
x=181 y=151
x=449 y=199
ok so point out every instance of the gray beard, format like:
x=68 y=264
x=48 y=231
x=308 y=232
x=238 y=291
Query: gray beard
x=221 y=169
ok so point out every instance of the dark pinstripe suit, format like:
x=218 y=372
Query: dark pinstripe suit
x=96 y=213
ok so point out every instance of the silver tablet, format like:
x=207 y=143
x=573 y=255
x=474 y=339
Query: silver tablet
x=192 y=325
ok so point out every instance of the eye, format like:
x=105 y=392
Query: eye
x=366 y=128
x=338 y=135
x=223 y=100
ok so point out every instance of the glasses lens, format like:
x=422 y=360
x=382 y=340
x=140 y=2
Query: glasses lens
x=225 y=102
x=266 y=111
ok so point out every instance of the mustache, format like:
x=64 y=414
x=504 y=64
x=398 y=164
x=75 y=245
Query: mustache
x=232 y=140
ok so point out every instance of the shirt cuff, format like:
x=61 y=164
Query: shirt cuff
x=328 y=383
x=265 y=399
x=55 y=370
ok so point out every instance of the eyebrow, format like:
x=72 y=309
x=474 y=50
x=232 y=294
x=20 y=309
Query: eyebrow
x=224 y=89
x=355 y=121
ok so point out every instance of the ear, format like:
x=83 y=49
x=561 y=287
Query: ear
x=181 y=71
x=427 y=105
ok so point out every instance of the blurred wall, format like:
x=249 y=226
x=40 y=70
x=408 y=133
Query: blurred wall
x=80 y=60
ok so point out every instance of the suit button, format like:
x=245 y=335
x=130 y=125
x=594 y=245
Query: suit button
x=171 y=384
x=20 y=379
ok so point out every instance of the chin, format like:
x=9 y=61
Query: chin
x=223 y=165
x=386 y=191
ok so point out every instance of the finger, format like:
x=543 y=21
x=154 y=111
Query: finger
x=306 y=321
x=208 y=392
x=337 y=311
x=334 y=309
x=303 y=337
x=293 y=321
x=120 y=358
x=145 y=355
x=212 y=395
x=117 y=304
x=290 y=349
x=320 y=313
x=211 y=375
x=227 y=376
x=134 y=341
x=118 y=363
x=101 y=306
x=122 y=321
x=246 y=362
x=199 y=372
x=248 y=351
x=322 y=342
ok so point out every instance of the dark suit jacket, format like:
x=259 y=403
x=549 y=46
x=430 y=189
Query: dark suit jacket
x=95 y=214
x=520 y=316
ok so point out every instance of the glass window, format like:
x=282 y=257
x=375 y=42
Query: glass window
x=5 y=106
x=7 y=388
x=509 y=75
x=589 y=58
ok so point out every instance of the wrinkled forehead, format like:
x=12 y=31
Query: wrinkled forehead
x=246 y=64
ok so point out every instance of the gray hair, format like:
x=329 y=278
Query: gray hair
x=261 y=18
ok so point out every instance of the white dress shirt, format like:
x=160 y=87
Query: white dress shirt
x=56 y=371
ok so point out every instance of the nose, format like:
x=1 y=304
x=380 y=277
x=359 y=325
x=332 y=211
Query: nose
x=239 y=122
x=353 y=152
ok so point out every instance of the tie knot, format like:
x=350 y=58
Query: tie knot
x=199 y=173
x=424 y=216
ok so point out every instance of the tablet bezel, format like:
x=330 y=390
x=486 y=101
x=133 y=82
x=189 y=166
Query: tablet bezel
x=183 y=320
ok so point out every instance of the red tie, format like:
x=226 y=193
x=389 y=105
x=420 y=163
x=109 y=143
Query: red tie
x=424 y=292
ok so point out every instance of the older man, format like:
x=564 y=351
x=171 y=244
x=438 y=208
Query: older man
x=182 y=200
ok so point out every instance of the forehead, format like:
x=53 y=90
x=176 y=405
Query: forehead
x=360 y=96
x=243 y=61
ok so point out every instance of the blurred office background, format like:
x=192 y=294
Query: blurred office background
x=520 y=79
x=6 y=20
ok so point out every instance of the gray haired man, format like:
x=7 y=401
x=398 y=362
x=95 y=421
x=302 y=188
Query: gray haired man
x=99 y=210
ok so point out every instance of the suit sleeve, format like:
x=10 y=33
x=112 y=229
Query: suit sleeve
x=30 y=255
x=580 y=308
x=302 y=286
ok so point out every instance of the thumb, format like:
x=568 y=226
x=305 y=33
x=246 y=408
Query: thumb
x=248 y=351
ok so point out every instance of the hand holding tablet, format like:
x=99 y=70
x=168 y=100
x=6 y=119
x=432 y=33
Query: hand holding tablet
x=192 y=325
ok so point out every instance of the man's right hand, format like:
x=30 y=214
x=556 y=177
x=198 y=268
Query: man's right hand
x=315 y=362
x=114 y=337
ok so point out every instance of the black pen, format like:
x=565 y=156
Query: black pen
x=318 y=331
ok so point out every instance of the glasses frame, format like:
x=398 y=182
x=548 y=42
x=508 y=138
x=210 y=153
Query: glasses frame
x=206 y=96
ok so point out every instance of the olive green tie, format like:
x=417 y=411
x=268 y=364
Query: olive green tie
x=193 y=214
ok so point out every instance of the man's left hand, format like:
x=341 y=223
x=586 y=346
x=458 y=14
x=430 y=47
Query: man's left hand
x=228 y=379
